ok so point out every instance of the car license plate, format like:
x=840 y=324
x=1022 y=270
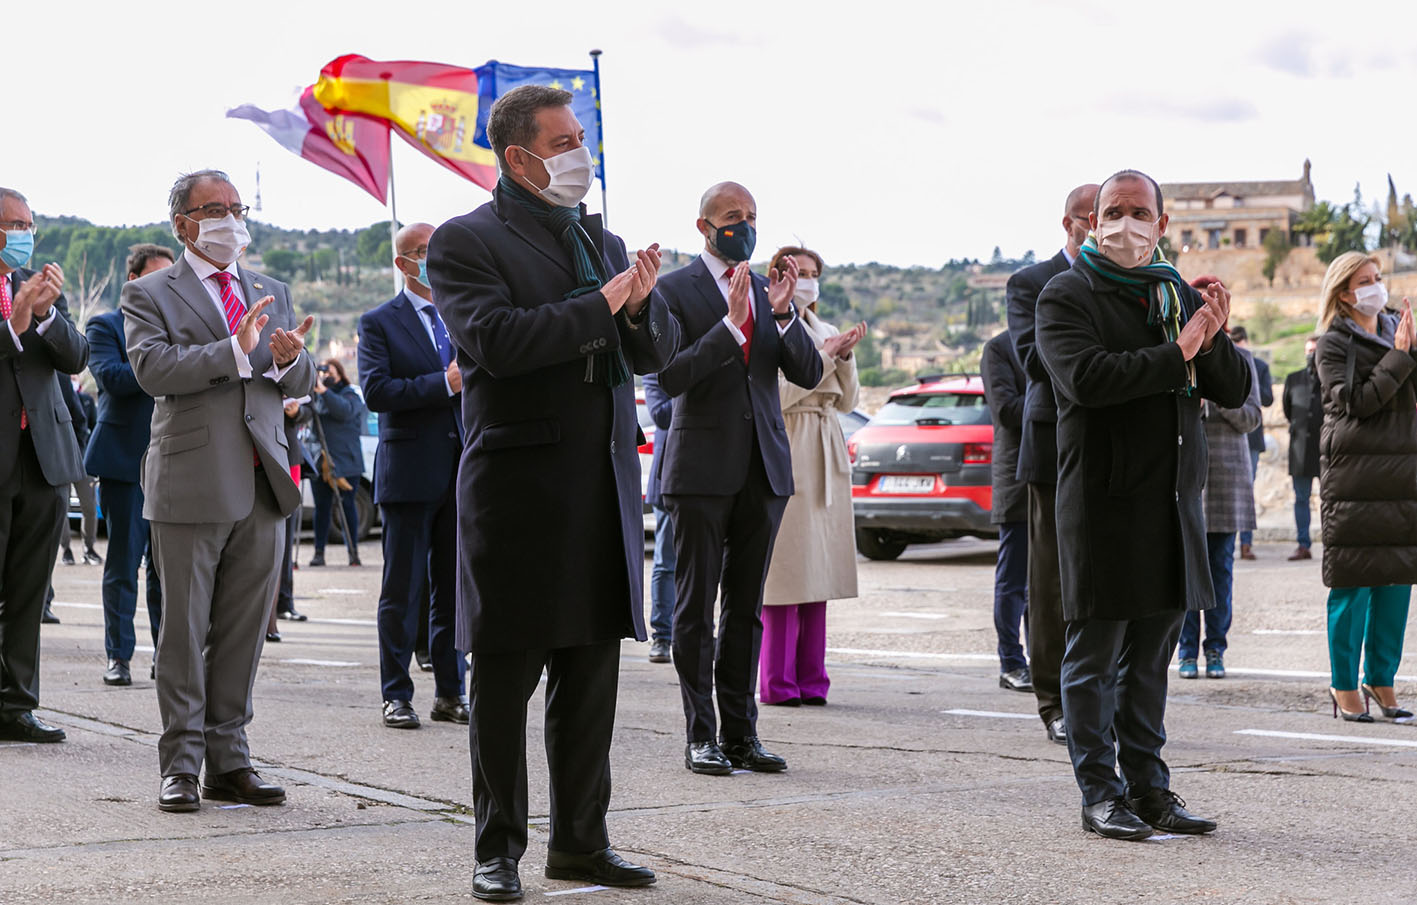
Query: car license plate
x=895 y=483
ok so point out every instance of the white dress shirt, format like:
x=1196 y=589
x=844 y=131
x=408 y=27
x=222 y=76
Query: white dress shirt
x=419 y=303
x=718 y=269
x=205 y=272
x=39 y=325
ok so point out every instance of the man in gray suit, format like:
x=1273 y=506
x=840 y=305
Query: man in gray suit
x=39 y=459
x=217 y=347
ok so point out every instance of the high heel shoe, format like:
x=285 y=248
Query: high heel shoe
x=1392 y=713
x=1360 y=717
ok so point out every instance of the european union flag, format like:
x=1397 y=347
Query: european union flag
x=495 y=79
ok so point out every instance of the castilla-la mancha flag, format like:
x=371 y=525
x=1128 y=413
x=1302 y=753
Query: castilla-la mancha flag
x=354 y=147
x=442 y=110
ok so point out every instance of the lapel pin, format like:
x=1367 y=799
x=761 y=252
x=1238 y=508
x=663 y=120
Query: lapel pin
x=255 y=285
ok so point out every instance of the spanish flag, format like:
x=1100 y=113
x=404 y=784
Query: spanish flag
x=442 y=110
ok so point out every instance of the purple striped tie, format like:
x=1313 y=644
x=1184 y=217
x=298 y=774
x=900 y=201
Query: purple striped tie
x=229 y=302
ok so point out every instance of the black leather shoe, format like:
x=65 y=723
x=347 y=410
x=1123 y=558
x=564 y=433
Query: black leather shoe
x=1017 y=680
x=747 y=754
x=1165 y=811
x=425 y=660
x=291 y=616
x=48 y=617
x=179 y=793
x=449 y=710
x=317 y=560
x=785 y=702
x=118 y=673
x=26 y=727
x=273 y=637
x=812 y=701
x=245 y=786
x=496 y=880
x=1057 y=731
x=604 y=868
x=706 y=758
x=91 y=557
x=68 y=558
x=659 y=651
x=400 y=715
x=1113 y=819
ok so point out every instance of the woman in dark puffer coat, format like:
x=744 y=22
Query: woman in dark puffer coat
x=1368 y=482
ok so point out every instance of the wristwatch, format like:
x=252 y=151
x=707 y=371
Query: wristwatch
x=787 y=315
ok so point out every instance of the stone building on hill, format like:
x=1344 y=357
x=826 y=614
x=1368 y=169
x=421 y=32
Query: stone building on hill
x=1214 y=216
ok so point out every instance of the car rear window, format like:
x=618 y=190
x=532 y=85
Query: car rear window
x=933 y=409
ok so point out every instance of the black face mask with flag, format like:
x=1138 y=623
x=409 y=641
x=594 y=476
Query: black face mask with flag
x=1157 y=283
x=605 y=368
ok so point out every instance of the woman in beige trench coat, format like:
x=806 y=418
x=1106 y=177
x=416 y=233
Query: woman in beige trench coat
x=814 y=559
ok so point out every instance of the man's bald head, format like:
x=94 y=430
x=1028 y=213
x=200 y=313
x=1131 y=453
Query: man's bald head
x=1075 y=215
x=412 y=238
x=725 y=205
x=730 y=194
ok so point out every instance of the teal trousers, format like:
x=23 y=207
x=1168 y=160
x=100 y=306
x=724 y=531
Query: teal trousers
x=1370 y=622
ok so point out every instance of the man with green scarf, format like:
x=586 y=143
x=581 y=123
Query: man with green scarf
x=550 y=318
x=1132 y=349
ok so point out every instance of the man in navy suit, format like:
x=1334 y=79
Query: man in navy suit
x=661 y=610
x=410 y=377
x=114 y=453
x=726 y=472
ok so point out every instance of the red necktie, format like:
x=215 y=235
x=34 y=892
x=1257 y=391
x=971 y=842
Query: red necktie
x=746 y=328
x=230 y=304
x=5 y=309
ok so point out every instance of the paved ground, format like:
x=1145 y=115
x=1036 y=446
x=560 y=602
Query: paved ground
x=922 y=782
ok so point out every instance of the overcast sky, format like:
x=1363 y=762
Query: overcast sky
x=905 y=133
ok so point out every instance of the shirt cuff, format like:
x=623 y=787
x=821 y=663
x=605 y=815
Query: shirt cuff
x=243 y=363
x=41 y=326
x=275 y=373
x=19 y=346
x=451 y=391
x=733 y=329
x=783 y=325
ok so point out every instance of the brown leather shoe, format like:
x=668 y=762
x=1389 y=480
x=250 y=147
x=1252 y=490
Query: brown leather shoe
x=1246 y=552
x=245 y=786
x=179 y=793
x=1300 y=553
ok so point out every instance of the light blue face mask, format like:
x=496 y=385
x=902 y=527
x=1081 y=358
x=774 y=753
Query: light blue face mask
x=423 y=272
x=19 y=245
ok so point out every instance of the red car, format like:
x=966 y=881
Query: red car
x=920 y=469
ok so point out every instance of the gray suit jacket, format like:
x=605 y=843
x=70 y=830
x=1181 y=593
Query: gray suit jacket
x=27 y=379
x=206 y=420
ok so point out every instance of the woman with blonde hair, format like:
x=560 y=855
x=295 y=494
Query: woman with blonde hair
x=1368 y=482
x=814 y=559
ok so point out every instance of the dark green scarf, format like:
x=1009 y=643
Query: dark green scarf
x=607 y=368
x=1157 y=283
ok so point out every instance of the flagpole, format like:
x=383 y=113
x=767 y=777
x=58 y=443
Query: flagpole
x=600 y=120
x=393 y=216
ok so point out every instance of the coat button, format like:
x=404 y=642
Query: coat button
x=612 y=447
x=747 y=416
x=250 y=418
x=1180 y=440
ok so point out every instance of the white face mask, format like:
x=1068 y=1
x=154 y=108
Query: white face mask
x=806 y=290
x=223 y=240
x=1127 y=241
x=571 y=175
x=1370 y=299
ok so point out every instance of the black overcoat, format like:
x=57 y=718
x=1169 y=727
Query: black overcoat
x=550 y=523
x=1131 y=452
x=1367 y=458
x=1038 y=444
x=1304 y=409
x=1004 y=386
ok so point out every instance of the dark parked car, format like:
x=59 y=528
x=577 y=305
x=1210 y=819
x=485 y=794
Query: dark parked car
x=920 y=469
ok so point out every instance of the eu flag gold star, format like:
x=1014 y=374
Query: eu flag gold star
x=577 y=83
x=556 y=84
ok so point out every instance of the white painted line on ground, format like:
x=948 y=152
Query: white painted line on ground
x=910 y=654
x=998 y=714
x=1319 y=737
x=79 y=606
x=1162 y=838
x=342 y=591
x=19 y=744
x=1287 y=631
x=303 y=662
x=368 y=622
x=918 y=615
x=231 y=807
x=1287 y=673
x=571 y=892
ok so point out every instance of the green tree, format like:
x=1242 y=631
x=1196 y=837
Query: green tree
x=281 y=263
x=373 y=245
x=326 y=262
x=1276 y=249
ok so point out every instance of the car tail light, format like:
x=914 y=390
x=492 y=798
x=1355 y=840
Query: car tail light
x=647 y=449
x=978 y=453
x=851 y=451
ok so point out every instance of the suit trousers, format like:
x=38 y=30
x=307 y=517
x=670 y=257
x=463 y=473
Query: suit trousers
x=420 y=558
x=285 y=591
x=1114 y=701
x=218 y=586
x=32 y=514
x=722 y=542
x=128 y=541
x=1371 y=622
x=1011 y=593
x=88 y=512
x=661 y=582
x=1046 y=636
x=581 y=685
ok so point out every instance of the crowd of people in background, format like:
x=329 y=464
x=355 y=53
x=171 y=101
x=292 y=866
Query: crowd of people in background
x=1127 y=414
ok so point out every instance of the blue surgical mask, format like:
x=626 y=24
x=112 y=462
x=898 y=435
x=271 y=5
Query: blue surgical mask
x=423 y=272
x=736 y=241
x=19 y=245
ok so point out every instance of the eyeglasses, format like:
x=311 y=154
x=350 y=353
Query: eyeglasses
x=212 y=210
x=16 y=226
